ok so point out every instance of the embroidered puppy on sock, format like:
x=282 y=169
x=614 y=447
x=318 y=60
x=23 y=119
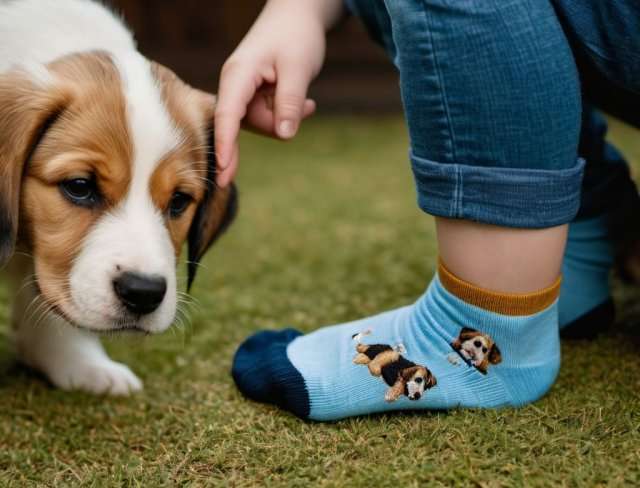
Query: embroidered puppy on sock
x=477 y=349
x=404 y=377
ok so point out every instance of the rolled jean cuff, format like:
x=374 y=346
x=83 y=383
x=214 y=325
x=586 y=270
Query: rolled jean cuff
x=508 y=197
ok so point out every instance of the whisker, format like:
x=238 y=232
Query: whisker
x=23 y=253
x=199 y=265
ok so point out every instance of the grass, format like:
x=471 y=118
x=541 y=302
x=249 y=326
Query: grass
x=329 y=231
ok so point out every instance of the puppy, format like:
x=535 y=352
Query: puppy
x=106 y=169
x=403 y=377
x=477 y=349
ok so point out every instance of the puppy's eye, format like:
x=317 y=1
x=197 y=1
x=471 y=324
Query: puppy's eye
x=80 y=191
x=477 y=343
x=484 y=349
x=418 y=380
x=179 y=203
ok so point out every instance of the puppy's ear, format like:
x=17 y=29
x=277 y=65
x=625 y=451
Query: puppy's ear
x=214 y=215
x=28 y=107
x=483 y=366
x=431 y=380
x=467 y=331
x=457 y=345
x=495 y=357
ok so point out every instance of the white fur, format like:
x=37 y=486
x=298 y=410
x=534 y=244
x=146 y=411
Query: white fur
x=359 y=336
x=132 y=237
x=473 y=353
x=40 y=31
x=454 y=359
x=413 y=387
x=71 y=358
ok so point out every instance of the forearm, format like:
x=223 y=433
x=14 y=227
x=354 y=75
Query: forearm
x=326 y=12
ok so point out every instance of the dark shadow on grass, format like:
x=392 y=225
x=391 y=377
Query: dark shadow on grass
x=14 y=375
x=380 y=416
x=627 y=325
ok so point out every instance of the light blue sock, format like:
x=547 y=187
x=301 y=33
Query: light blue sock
x=585 y=304
x=426 y=350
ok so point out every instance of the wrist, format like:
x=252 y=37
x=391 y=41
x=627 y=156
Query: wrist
x=325 y=12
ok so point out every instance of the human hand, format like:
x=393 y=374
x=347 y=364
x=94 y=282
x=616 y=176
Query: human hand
x=264 y=83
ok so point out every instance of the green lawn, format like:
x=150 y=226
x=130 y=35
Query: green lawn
x=328 y=231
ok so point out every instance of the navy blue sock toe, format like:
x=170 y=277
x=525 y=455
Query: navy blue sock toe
x=262 y=371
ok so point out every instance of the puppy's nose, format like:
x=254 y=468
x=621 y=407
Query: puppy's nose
x=140 y=294
x=416 y=396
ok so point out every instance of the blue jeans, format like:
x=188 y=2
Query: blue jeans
x=493 y=99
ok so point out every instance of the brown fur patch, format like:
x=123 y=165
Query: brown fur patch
x=192 y=109
x=89 y=139
x=25 y=110
x=185 y=169
x=178 y=173
x=495 y=357
x=386 y=357
x=408 y=373
x=382 y=360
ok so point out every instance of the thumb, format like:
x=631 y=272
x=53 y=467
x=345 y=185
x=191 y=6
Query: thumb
x=291 y=94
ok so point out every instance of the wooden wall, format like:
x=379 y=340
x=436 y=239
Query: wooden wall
x=194 y=37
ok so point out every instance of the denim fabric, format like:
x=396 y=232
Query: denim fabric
x=606 y=34
x=607 y=185
x=493 y=104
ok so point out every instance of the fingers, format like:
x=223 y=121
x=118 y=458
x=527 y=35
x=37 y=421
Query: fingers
x=260 y=112
x=237 y=88
x=291 y=95
x=226 y=175
x=309 y=108
x=267 y=112
x=260 y=116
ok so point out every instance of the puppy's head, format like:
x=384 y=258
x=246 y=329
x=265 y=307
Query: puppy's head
x=477 y=348
x=106 y=170
x=417 y=379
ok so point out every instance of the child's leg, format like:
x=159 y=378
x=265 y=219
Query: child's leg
x=606 y=54
x=608 y=210
x=492 y=102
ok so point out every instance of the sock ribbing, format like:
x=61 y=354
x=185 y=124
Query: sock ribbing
x=512 y=304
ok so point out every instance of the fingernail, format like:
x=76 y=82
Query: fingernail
x=287 y=129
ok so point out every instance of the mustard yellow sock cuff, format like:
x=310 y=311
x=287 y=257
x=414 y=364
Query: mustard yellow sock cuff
x=498 y=302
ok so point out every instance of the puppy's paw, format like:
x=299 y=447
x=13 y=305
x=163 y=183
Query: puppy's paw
x=390 y=396
x=103 y=377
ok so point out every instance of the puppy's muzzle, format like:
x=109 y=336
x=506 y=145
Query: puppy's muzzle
x=140 y=294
